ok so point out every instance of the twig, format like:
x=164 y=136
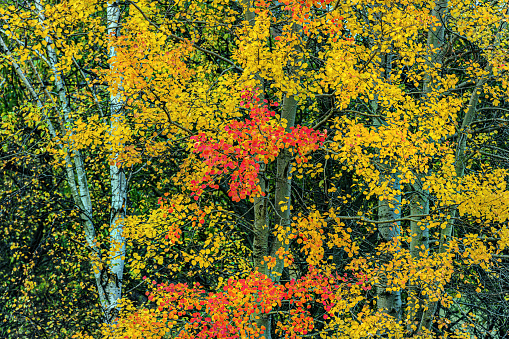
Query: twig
x=240 y=69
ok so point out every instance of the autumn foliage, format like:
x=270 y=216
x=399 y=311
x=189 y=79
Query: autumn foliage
x=191 y=312
x=247 y=145
x=254 y=169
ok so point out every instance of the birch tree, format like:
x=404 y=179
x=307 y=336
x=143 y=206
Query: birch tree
x=320 y=168
x=107 y=267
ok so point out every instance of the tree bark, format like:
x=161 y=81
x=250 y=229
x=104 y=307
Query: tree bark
x=79 y=193
x=436 y=40
x=116 y=254
x=389 y=301
x=459 y=166
x=261 y=230
x=282 y=198
x=283 y=192
x=419 y=231
x=436 y=43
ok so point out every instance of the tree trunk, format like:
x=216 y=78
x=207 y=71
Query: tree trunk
x=460 y=165
x=261 y=228
x=436 y=41
x=389 y=301
x=116 y=254
x=283 y=193
x=282 y=198
x=419 y=231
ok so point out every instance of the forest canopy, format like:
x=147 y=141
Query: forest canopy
x=254 y=169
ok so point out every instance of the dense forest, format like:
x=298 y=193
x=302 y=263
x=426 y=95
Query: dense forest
x=254 y=169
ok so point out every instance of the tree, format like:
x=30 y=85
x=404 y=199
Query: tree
x=56 y=59
x=323 y=168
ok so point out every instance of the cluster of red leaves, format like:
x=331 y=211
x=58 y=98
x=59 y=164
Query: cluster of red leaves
x=302 y=12
x=231 y=313
x=249 y=144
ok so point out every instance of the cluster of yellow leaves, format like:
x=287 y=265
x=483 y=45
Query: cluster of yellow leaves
x=172 y=89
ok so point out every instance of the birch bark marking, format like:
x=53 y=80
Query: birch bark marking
x=116 y=254
x=76 y=168
x=79 y=193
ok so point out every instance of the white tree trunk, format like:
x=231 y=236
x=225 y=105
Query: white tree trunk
x=389 y=301
x=419 y=231
x=116 y=254
x=283 y=192
x=74 y=165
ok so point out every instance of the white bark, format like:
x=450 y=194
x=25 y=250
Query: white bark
x=460 y=158
x=80 y=193
x=282 y=199
x=436 y=40
x=460 y=165
x=283 y=192
x=436 y=43
x=419 y=205
x=118 y=182
x=261 y=228
x=109 y=281
x=84 y=193
x=389 y=301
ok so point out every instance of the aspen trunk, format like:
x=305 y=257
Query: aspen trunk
x=116 y=254
x=282 y=196
x=389 y=301
x=260 y=225
x=79 y=193
x=421 y=315
x=436 y=40
x=460 y=165
x=283 y=192
x=74 y=166
x=419 y=231
x=108 y=280
x=261 y=230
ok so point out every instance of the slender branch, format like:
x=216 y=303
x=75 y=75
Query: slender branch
x=170 y=120
x=89 y=86
x=493 y=108
x=492 y=120
x=240 y=69
x=324 y=120
x=363 y=219
x=498 y=157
